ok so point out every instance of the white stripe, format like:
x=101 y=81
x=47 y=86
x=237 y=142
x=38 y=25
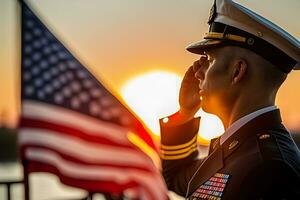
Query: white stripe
x=152 y=181
x=67 y=117
x=84 y=150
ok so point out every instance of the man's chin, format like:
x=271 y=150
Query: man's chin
x=206 y=108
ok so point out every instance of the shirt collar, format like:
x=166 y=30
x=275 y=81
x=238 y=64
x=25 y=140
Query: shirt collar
x=242 y=121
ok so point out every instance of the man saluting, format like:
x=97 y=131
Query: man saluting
x=244 y=61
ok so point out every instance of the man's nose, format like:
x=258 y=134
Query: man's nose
x=199 y=71
x=199 y=68
x=199 y=75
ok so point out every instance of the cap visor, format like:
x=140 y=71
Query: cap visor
x=200 y=46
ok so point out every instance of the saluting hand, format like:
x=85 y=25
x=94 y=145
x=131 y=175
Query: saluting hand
x=189 y=98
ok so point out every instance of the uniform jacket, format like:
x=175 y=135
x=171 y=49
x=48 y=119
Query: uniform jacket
x=259 y=161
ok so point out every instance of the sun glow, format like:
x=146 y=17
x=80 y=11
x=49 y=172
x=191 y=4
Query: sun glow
x=211 y=126
x=154 y=95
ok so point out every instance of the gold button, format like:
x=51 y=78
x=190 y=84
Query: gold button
x=259 y=34
x=165 y=120
x=233 y=144
x=264 y=136
x=250 y=41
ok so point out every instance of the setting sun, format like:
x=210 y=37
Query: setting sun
x=210 y=127
x=155 y=95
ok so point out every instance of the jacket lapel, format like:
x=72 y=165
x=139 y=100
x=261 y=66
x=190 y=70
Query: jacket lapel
x=214 y=143
x=214 y=161
x=212 y=164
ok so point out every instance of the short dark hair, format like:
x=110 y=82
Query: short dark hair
x=271 y=75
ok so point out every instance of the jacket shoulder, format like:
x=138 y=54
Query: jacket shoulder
x=271 y=179
x=278 y=147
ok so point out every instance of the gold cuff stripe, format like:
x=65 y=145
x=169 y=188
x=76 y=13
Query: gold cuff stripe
x=180 y=146
x=178 y=156
x=180 y=151
x=215 y=35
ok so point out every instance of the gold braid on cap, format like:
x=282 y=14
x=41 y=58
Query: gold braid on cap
x=215 y=35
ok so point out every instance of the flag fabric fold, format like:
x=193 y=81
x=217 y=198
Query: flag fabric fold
x=75 y=128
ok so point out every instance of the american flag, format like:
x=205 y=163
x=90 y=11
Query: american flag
x=73 y=127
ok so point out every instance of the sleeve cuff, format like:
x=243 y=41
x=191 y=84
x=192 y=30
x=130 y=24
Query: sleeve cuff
x=178 y=141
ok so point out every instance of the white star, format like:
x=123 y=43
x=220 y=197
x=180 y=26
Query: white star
x=37 y=32
x=48 y=89
x=35 y=70
x=38 y=82
x=29 y=90
x=41 y=94
x=56 y=84
x=95 y=92
x=82 y=74
x=94 y=108
x=55 y=47
x=44 y=64
x=62 y=55
x=46 y=76
x=62 y=67
x=62 y=79
x=36 y=56
x=37 y=44
x=84 y=97
x=72 y=64
x=27 y=36
x=44 y=41
x=58 y=98
x=67 y=92
x=75 y=103
x=75 y=86
x=26 y=76
x=53 y=59
x=47 y=50
x=69 y=75
x=105 y=101
x=27 y=49
x=29 y=23
x=87 y=83
x=54 y=71
x=27 y=62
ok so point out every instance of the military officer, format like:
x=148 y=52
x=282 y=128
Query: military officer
x=244 y=60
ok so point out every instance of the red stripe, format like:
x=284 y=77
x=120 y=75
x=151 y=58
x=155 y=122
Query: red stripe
x=79 y=161
x=143 y=133
x=62 y=129
x=89 y=185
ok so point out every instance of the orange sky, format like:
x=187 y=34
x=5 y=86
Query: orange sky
x=121 y=39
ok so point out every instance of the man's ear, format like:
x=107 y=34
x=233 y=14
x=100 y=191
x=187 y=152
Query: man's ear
x=239 y=71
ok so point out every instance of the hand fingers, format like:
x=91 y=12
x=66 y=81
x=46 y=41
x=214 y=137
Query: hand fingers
x=190 y=72
x=197 y=64
x=189 y=77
